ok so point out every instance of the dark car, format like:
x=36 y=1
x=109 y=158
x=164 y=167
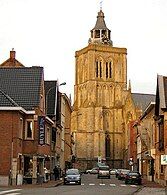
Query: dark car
x=72 y=176
x=133 y=177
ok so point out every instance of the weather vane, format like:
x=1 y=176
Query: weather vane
x=101 y=4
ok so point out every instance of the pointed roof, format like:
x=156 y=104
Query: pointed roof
x=11 y=62
x=161 y=94
x=141 y=100
x=21 y=86
x=6 y=100
x=51 y=95
x=100 y=23
x=100 y=34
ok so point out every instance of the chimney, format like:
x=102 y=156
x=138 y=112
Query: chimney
x=12 y=55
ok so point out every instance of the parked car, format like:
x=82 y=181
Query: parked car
x=133 y=177
x=117 y=172
x=113 y=171
x=122 y=174
x=92 y=171
x=104 y=171
x=72 y=176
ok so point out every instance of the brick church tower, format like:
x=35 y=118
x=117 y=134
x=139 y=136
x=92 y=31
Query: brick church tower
x=98 y=120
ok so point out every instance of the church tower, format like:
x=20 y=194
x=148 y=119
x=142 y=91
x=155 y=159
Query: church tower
x=97 y=120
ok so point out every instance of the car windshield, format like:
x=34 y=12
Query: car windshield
x=104 y=168
x=72 y=172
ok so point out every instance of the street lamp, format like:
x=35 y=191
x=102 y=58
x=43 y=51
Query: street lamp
x=64 y=83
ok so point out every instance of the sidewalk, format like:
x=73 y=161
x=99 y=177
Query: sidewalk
x=50 y=183
x=151 y=188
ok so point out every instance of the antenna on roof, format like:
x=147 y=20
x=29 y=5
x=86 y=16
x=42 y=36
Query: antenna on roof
x=101 y=4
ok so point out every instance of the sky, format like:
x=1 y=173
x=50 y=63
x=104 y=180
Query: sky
x=48 y=32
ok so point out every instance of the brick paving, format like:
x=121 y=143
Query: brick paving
x=151 y=188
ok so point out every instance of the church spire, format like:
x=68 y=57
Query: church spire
x=100 y=33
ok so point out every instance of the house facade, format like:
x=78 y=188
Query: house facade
x=146 y=143
x=161 y=130
x=25 y=129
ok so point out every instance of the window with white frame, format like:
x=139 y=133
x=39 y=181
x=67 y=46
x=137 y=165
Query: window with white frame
x=29 y=131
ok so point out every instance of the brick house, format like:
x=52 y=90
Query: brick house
x=59 y=109
x=141 y=101
x=146 y=142
x=25 y=130
x=68 y=138
x=161 y=130
x=53 y=107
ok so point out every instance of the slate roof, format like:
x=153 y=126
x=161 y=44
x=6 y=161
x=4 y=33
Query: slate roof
x=6 y=100
x=141 y=100
x=165 y=89
x=100 y=23
x=161 y=94
x=50 y=94
x=20 y=86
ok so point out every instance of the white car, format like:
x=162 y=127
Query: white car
x=113 y=171
x=95 y=170
x=104 y=171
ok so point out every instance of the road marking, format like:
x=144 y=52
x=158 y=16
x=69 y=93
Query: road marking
x=112 y=184
x=135 y=186
x=9 y=191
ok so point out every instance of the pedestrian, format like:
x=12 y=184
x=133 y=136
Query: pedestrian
x=56 y=173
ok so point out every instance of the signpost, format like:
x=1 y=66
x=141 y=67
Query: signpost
x=131 y=163
x=164 y=159
x=41 y=125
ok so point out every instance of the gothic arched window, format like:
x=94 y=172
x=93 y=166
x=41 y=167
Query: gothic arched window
x=106 y=69
x=110 y=70
x=107 y=145
x=97 y=69
x=100 y=69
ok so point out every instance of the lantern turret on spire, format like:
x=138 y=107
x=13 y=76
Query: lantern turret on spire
x=100 y=33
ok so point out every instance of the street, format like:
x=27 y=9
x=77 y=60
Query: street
x=90 y=186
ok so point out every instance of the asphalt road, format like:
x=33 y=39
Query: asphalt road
x=90 y=186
